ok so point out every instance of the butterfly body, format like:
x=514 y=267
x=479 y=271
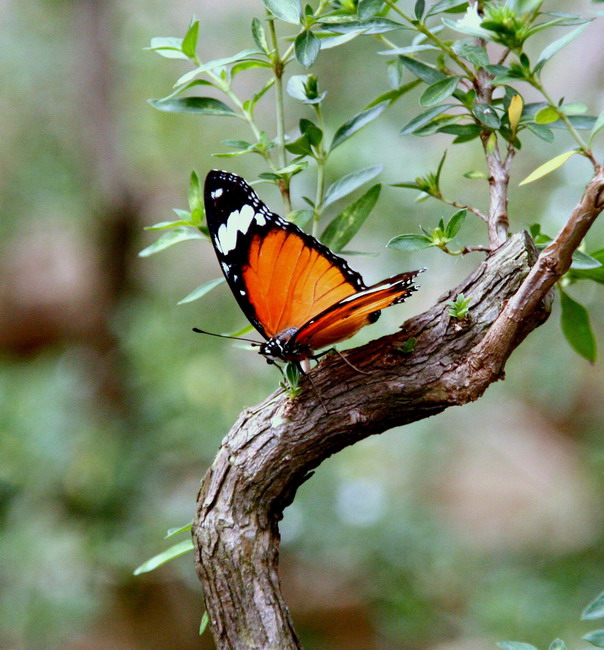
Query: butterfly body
x=297 y=293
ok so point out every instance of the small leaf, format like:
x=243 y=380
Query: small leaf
x=599 y=124
x=576 y=328
x=439 y=91
x=410 y=242
x=543 y=132
x=474 y=173
x=170 y=238
x=444 y=5
x=374 y=25
x=168 y=47
x=516 y=645
x=205 y=619
x=259 y=36
x=557 y=644
x=556 y=46
x=475 y=54
x=201 y=290
x=595 y=638
x=355 y=123
x=189 y=42
x=164 y=225
x=594 y=610
x=368 y=8
x=455 y=223
x=349 y=183
x=547 y=115
x=307 y=47
x=287 y=10
x=170 y=554
x=487 y=115
x=583 y=261
x=216 y=63
x=425 y=72
x=420 y=6
x=345 y=226
x=424 y=118
x=194 y=105
x=300 y=217
x=515 y=111
x=194 y=193
x=176 y=531
x=392 y=95
x=548 y=167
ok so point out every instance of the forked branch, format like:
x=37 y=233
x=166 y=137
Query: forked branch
x=274 y=447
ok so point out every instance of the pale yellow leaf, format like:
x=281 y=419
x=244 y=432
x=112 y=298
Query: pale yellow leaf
x=548 y=167
x=515 y=111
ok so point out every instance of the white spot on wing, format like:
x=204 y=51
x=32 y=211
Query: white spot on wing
x=216 y=194
x=238 y=222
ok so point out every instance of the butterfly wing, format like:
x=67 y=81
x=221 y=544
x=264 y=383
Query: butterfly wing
x=348 y=316
x=281 y=277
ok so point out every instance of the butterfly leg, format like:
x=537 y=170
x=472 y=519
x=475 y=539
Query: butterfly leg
x=344 y=359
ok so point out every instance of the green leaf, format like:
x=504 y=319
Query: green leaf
x=355 y=123
x=597 y=127
x=194 y=193
x=172 y=532
x=201 y=290
x=168 y=47
x=576 y=328
x=375 y=25
x=300 y=217
x=455 y=223
x=169 y=554
x=595 y=609
x=516 y=645
x=392 y=95
x=547 y=115
x=425 y=72
x=548 y=167
x=470 y=24
x=345 y=226
x=349 y=183
x=216 y=63
x=189 y=42
x=556 y=46
x=583 y=261
x=474 y=173
x=420 y=7
x=410 y=242
x=487 y=115
x=541 y=131
x=595 y=638
x=164 y=225
x=170 y=238
x=327 y=42
x=444 y=5
x=205 y=619
x=259 y=36
x=409 y=49
x=475 y=54
x=368 y=8
x=423 y=118
x=287 y=10
x=193 y=105
x=557 y=644
x=306 y=47
x=439 y=91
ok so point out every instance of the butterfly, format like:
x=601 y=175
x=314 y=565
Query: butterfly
x=298 y=294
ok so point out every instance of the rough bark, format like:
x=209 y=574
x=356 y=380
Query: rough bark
x=272 y=449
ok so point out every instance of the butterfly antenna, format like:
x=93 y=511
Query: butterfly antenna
x=226 y=336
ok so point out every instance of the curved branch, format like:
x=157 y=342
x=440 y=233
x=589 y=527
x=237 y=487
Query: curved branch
x=273 y=448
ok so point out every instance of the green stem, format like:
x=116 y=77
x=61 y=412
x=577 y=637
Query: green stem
x=278 y=72
x=321 y=159
x=426 y=32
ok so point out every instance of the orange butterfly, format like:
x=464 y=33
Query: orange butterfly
x=296 y=292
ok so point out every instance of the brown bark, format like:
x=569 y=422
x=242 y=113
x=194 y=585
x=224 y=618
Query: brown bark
x=274 y=447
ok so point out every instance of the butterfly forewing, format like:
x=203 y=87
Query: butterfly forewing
x=281 y=277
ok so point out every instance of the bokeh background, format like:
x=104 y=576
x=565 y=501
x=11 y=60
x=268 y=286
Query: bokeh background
x=482 y=524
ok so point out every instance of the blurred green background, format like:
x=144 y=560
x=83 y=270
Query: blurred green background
x=484 y=523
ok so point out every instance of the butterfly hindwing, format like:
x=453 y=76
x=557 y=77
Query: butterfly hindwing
x=281 y=276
